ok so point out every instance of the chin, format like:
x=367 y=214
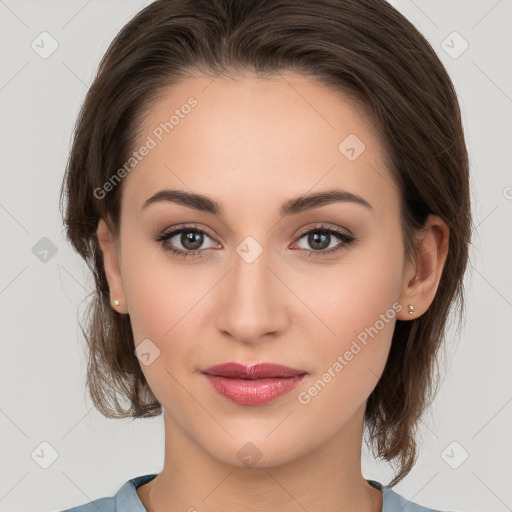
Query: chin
x=256 y=453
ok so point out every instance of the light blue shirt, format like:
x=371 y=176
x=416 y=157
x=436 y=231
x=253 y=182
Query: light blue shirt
x=127 y=500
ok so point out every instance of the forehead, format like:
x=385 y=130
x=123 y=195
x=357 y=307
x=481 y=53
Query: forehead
x=280 y=135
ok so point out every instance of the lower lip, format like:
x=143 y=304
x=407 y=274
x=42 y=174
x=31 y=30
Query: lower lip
x=253 y=392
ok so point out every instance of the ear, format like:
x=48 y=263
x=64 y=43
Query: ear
x=110 y=248
x=422 y=276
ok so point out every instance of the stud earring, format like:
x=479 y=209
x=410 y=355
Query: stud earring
x=115 y=302
x=411 y=309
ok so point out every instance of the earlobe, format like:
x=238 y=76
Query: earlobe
x=111 y=262
x=422 y=276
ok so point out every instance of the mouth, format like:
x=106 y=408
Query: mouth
x=256 y=384
x=253 y=372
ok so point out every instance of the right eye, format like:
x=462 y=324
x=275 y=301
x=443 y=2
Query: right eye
x=190 y=238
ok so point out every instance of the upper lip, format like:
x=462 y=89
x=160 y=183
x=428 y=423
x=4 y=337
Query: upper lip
x=252 y=372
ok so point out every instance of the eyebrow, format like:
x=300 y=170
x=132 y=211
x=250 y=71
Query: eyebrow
x=291 y=207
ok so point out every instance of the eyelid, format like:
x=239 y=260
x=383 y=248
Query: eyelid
x=325 y=226
x=183 y=227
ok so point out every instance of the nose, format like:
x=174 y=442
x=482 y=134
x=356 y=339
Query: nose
x=252 y=303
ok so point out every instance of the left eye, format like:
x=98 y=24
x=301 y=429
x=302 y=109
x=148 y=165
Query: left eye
x=320 y=239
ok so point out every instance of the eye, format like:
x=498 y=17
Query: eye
x=187 y=241
x=323 y=237
x=190 y=238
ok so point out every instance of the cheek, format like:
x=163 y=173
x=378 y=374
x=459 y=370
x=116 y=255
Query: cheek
x=164 y=301
x=159 y=291
x=360 y=314
x=359 y=305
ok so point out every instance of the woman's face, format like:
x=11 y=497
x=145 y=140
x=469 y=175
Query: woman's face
x=260 y=290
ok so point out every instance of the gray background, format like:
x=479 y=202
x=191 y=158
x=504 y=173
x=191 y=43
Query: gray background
x=42 y=366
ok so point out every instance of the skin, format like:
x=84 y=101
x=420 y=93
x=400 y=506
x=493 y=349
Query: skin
x=251 y=144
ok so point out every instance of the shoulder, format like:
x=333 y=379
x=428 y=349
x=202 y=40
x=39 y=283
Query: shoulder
x=126 y=498
x=99 y=505
x=393 y=502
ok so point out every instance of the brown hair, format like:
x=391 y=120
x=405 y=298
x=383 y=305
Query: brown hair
x=363 y=48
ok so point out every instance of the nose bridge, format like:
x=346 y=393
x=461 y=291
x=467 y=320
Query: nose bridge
x=253 y=304
x=250 y=271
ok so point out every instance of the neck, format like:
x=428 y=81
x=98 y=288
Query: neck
x=327 y=477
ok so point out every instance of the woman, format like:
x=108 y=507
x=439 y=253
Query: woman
x=273 y=197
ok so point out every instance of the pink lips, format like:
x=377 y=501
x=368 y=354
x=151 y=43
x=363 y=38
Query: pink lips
x=253 y=385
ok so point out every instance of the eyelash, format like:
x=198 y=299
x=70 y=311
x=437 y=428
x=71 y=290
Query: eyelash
x=346 y=239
